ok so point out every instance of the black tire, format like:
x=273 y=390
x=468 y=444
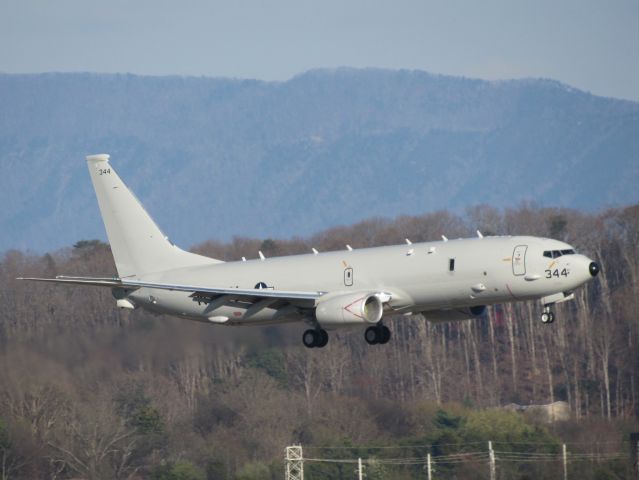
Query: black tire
x=552 y=317
x=310 y=338
x=371 y=335
x=323 y=338
x=385 y=334
x=545 y=317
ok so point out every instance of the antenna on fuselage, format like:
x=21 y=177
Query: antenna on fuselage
x=444 y=238
x=244 y=259
x=408 y=242
x=349 y=248
x=315 y=252
x=479 y=234
x=262 y=257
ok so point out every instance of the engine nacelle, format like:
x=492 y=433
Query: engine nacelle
x=350 y=309
x=455 y=314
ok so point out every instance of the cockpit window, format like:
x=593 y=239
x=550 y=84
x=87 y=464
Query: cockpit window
x=558 y=253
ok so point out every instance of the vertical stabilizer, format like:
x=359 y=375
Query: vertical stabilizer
x=139 y=247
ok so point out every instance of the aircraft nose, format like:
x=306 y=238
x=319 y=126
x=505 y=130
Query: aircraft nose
x=593 y=268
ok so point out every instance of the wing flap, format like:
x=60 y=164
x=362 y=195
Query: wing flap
x=238 y=292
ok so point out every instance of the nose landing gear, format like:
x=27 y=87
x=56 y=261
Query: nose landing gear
x=547 y=316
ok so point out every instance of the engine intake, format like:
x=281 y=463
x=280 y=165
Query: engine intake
x=350 y=309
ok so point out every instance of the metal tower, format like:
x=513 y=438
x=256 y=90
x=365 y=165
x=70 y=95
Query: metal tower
x=294 y=463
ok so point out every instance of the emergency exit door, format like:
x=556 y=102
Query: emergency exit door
x=348 y=277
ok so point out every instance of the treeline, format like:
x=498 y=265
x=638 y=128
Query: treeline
x=88 y=391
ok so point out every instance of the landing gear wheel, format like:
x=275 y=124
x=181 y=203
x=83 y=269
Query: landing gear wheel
x=315 y=338
x=371 y=336
x=385 y=334
x=310 y=338
x=547 y=317
x=379 y=334
x=323 y=338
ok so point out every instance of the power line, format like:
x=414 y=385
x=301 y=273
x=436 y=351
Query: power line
x=426 y=446
x=488 y=457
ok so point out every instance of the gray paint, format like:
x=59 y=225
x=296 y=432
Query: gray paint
x=412 y=278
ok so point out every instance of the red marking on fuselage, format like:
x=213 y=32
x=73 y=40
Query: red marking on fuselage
x=348 y=308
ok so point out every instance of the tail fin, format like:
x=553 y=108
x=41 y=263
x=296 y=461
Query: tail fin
x=138 y=245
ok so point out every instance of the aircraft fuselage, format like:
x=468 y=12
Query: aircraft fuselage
x=422 y=277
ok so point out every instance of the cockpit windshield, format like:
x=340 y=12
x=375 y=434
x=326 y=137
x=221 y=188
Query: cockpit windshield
x=558 y=253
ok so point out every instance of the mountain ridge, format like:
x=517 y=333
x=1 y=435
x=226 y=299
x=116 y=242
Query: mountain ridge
x=213 y=158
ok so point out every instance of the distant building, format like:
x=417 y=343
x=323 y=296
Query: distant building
x=552 y=412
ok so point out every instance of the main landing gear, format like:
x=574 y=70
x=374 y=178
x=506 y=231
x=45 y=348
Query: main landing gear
x=379 y=334
x=318 y=337
x=315 y=337
x=547 y=316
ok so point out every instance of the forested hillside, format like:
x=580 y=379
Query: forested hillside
x=213 y=158
x=87 y=391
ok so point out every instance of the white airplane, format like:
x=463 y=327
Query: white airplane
x=444 y=280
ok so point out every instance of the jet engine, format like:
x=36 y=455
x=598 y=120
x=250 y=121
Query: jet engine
x=454 y=314
x=350 y=309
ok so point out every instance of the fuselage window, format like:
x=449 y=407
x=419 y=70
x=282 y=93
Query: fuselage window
x=568 y=252
x=556 y=254
x=548 y=254
x=451 y=264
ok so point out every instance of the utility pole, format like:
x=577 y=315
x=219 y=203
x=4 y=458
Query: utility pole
x=429 y=470
x=565 y=456
x=360 y=469
x=491 y=456
x=294 y=463
x=634 y=454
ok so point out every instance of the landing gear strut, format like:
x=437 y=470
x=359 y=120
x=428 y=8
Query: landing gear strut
x=547 y=316
x=377 y=334
x=315 y=338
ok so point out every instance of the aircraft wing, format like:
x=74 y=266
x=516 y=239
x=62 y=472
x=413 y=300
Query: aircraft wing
x=95 y=281
x=196 y=290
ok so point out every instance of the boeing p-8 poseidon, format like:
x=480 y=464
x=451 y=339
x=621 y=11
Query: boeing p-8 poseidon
x=443 y=280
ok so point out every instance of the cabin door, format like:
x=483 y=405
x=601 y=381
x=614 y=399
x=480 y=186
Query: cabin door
x=519 y=260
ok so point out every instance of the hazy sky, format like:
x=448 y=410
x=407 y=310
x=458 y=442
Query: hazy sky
x=592 y=45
